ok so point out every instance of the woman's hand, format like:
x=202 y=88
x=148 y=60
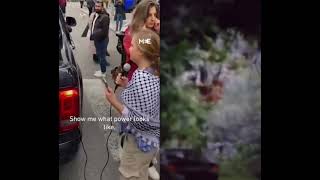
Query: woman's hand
x=121 y=80
x=111 y=97
x=157 y=26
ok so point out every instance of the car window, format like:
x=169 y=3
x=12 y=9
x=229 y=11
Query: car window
x=64 y=26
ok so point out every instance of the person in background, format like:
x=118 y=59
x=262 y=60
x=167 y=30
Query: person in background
x=91 y=45
x=100 y=36
x=81 y=3
x=120 y=14
x=140 y=100
x=105 y=2
x=146 y=15
x=90 y=6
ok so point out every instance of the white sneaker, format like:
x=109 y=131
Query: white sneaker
x=153 y=173
x=99 y=74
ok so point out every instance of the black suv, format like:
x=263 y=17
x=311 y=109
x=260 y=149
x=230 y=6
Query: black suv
x=70 y=91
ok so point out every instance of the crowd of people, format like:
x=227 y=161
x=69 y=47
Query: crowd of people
x=140 y=97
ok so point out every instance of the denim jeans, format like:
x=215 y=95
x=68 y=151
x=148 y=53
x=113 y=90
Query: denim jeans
x=101 y=49
x=119 y=18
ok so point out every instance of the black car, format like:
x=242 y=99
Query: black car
x=186 y=164
x=70 y=92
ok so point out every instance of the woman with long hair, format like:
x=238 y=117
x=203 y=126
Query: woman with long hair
x=145 y=16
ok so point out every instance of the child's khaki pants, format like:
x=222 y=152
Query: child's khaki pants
x=134 y=163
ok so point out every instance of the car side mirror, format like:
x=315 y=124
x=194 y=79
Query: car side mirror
x=71 y=21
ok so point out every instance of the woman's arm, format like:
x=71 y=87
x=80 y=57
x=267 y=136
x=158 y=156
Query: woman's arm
x=111 y=97
x=118 y=105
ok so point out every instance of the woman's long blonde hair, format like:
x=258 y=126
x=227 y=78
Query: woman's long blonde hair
x=141 y=14
x=150 y=51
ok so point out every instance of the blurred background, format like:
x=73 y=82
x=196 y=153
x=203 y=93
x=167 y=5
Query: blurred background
x=210 y=89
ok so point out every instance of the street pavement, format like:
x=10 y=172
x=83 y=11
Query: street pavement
x=95 y=105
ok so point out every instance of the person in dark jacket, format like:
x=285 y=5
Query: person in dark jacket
x=120 y=14
x=100 y=35
x=90 y=6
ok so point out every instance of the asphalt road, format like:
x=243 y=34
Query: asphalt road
x=95 y=106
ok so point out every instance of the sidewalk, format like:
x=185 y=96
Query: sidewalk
x=110 y=9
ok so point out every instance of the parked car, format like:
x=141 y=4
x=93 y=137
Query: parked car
x=186 y=164
x=70 y=91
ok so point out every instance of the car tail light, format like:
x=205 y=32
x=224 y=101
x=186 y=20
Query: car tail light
x=172 y=168
x=68 y=106
x=215 y=169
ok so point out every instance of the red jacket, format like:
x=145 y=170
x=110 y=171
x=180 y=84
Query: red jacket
x=127 y=44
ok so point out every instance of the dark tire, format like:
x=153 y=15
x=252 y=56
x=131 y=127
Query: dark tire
x=69 y=155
